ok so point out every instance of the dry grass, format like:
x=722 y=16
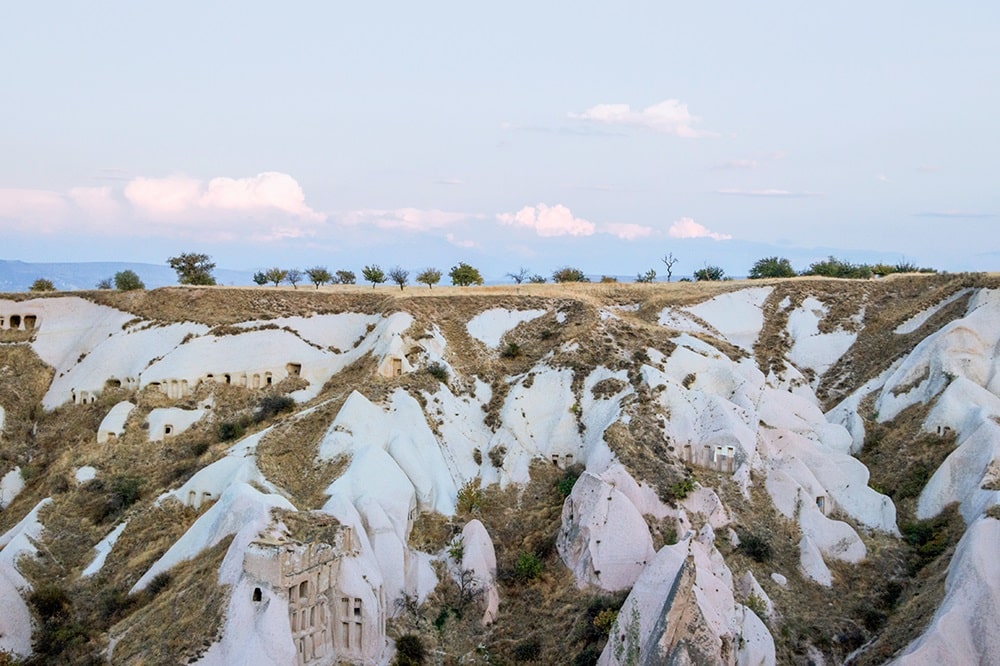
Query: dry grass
x=184 y=618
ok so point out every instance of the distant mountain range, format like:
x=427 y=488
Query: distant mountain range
x=71 y=276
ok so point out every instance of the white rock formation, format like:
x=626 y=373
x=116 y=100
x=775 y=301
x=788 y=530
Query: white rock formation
x=113 y=424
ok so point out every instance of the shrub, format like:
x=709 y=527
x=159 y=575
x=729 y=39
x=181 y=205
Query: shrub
x=159 y=583
x=234 y=429
x=527 y=650
x=260 y=278
x=438 y=371
x=512 y=350
x=680 y=489
x=470 y=497
x=128 y=281
x=125 y=491
x=456 y=549
x=647 y=277
x=410 y=651
x=605 y=620
x=104 y=283
x=756 y=604
x=756 y=546
x=527 y=566
x=568 y=480
x=772 y=267
x=496 y=455
x=709 y=274
x=608 y=279
x=833 y=267
x=537 y=279
x=42 y=284
x=569 y=274
x=271 y=406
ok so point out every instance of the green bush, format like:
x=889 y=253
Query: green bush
x=272 y=405
x=569 y=274
x=527 y=566
x=838 y=268
x=709 y=274
x=410 y=651
x=527 y=650
x=756 y=546
x=234 y=429
x=512 y=350
x=42 y=284
x=470 y=497
x=772 y=267
x=438 y=371
x=128 y=281
x=568 y=480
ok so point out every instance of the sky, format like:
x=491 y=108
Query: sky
x=519 y=134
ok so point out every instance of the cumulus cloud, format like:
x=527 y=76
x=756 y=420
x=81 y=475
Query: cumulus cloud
x=403 y=219
x=265 y=207
x=549 y=221
x=627 y=230
x=668 y=117
x=182 y=196
x=774 y=193
x=457 y=242
x=688 y=228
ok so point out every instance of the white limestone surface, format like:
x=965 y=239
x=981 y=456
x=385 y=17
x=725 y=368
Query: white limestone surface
x=737 y=315
x=177 y=418
x=491 y=325
x=603 y=538
x=11 y=484
x=103 y=549
x=810 y=348
x=964 y=627
x=85 y=474
x=113 y=424
x=480 y=558
x=15 y=621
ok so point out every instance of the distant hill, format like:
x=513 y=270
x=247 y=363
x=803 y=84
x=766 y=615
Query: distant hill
x=72 y=276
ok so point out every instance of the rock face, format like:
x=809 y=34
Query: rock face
x=679 y=422
x=604 y=538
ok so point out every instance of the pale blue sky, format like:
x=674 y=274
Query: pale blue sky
x=521 y=134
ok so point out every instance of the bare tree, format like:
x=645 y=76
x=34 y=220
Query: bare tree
x=294 y=276
x=399 y=276
x=669 y=260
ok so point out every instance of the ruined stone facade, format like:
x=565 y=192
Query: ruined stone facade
x=329 y=625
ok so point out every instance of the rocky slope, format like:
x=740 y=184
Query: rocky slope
x=801 y=471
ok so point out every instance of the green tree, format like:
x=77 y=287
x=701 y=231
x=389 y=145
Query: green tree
x=429 y=276
x=647 y=277
x=709 y=274
x=193 y=268
x=293 y=277
x=42 y=284
x=399 y=275
x=276 y=275
x=373 y=274
x=319 y=275
x=464 y=275
x=772 y=267
x=345 y=277
x=127 y=281
x=260 y=277
x=569 y=274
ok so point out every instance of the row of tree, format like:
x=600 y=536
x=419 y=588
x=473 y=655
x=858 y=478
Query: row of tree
x=196 y=269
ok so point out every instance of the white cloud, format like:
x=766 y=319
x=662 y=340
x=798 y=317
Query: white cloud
x=688 y=228
x=265 y=207
x=180 y=196
x=775 y=193
x=404 y=219
x=460 y=243
x=882 y=178
x=549 y=221
x=627 y=230
x=738 y=164
x=668 y=117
